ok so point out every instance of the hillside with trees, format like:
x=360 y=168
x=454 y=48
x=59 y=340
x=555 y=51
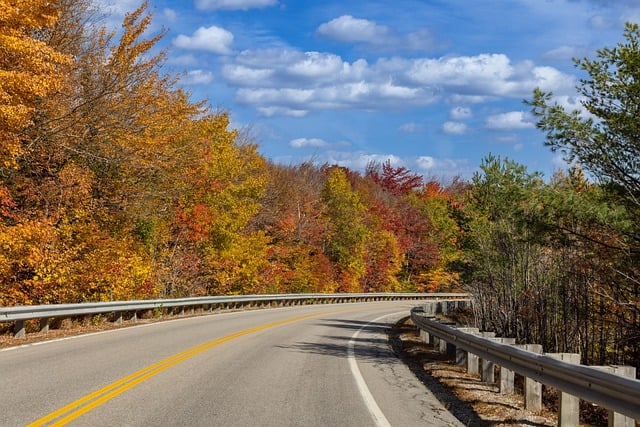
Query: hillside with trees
x=114 y=185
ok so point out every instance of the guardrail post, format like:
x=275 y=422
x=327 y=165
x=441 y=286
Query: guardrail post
x=532 y=388
x=462 y=355
x=19 y=330
x=424 y=336
x=118 y=319
x=429 y=309
x=487 y=372
x=445 y=346
x=473 y=364
x=615 y=419
x=44 y=324
x=507 y=376
x=569 y=412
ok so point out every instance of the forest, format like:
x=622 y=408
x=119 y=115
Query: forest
x=114 y=185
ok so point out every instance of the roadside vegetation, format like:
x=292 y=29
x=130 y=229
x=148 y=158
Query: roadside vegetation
x=115 y=185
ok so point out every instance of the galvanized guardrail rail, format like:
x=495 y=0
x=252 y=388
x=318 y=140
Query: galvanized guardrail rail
x=19 y=314
x=619 y=394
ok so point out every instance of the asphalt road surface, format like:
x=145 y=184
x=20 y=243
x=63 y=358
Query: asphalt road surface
x=324 y=365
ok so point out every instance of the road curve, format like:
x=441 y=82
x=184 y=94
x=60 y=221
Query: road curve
x=325 y=365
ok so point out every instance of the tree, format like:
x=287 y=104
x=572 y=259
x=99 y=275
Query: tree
x=30 y=69
x=607 y=142
x=502 y=244
x=347 y=235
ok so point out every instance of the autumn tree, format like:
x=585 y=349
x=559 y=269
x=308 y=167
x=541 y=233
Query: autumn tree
x=291 y=215
x=30 y=69
x=347 y=233
x=399 y=208
x=441 y=205
x=99 y=170
x=213 y=214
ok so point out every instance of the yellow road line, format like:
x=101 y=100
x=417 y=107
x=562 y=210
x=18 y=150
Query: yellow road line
x=98 y=397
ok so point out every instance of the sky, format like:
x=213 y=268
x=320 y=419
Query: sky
x=431 y=85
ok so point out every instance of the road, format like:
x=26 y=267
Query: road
x=324 y=365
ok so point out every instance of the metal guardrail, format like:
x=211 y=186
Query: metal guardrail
x=611 y=391
x=19 y=314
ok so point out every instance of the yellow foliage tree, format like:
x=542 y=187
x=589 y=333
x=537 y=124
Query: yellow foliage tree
x=30 y=69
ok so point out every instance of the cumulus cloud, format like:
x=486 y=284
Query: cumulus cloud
x=316 y=81
x=510 y=120
x=308 y=142
x=486 y=75
x=212 y=39
x=346 y=28
x=245 y=76
x=426 y=162
x=454 y=128
x=293 y=82
x=197 y=77
x=460 y=113
x=234 y=4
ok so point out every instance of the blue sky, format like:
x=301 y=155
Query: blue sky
x=434 y=86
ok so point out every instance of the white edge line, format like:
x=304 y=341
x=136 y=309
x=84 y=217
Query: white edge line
x=374 y=410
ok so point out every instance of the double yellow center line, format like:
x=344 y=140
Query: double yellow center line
x=85 y=404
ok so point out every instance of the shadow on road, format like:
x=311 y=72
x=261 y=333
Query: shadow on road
x=372 y=345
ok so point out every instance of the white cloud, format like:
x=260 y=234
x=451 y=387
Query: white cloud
x=197 y=77
x=308 y=142
x=169 y=14
x=183 y=60
x=270 y=96
x=564 y=52
x=315 y=65
x=346 y=28
x=284 y=80
x=410 y=127
x=360 y=160
x=234 y=4
x=460 y=113
x=281 y=111
x=426 y=162
x=245 y=76
x=454 y=128
x=486 y=75
x=510 y=120
x=483 y=71
x=438 y=168
x=212 y=39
